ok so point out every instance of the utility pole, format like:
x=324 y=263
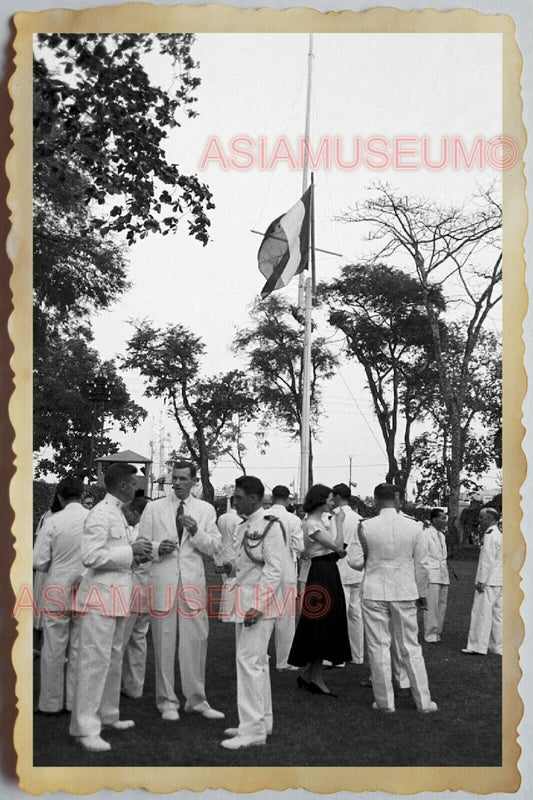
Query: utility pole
x=350 y=478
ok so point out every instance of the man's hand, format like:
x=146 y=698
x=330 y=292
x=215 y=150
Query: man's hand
x=480 y=587
x=224 y=569
x=422 y=602
x=189 y=523
x=251 y=617
x=142 y=551
x=166 y=546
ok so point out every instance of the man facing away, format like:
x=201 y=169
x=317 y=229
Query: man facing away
x=439 y=580
x=103 y=598
x=394 y=554
x=344 y=515
x=285 y=624
x=57 y=552
x=258 y=568
x=485 y=633
x=181 y=529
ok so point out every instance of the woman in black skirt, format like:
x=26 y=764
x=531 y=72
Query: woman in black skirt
x=322 y=632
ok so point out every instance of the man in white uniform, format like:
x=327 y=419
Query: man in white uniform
x=344 y=515
x=57 y=551
x=227 y=524
x=258 y=569
x=394 y=555
x=294 y=545
x=181 y=529
x=103 y=599
x=485 y=633
x=439 y=579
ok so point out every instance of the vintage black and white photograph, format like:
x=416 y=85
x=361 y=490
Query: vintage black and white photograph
x=267 y=399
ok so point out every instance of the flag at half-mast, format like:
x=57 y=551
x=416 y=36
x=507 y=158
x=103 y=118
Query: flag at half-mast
x=284 y=251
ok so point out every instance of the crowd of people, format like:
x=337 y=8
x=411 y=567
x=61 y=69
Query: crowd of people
x=329 y=587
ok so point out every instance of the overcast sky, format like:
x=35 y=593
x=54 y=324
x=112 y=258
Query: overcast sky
x=365 y=85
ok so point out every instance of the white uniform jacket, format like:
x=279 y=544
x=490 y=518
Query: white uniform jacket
x=489 y=568
x=259 y=564
x=294 y=544
x=348 y=574
x=106 y=550
x=57 y=550
x=184 y=566
x=396 y=554
x=436 y=556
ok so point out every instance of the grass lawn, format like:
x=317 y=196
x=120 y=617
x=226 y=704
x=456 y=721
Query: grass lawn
x=311 y=730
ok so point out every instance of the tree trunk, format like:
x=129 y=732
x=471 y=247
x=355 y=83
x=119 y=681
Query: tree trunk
x=208 y=490
x=454 y=476
x=310 y=460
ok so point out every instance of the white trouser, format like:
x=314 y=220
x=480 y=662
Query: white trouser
x=284 y=626
x=486 y=621
x=352 y=595
x=97 y=690
x=134 y=664
x=254 y=696
x=60 y=639
x=384 y=620
x=192 y=652
x=437 y=600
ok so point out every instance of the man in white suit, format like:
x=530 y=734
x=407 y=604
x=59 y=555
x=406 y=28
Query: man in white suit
x=294 y=545
x=351 y=579
x=439 y=580
x=258 y=569
x=181 y=529
x=393 y=553
x=103 y=600
x=57 y=552
x=485 y=633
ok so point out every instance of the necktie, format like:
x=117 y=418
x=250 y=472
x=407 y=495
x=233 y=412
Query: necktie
x=179 y=524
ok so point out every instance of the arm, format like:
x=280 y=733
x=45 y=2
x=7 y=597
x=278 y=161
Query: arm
x=420 y=557
x=297 y=537
x=273 y=555
x=207 y=538
x=95 y=551
x=487 y=558
x=356 y=553
x=42 y=549
x=319 y=535
x=338 y=521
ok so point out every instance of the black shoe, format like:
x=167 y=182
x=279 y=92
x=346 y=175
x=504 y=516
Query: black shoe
x=403 y=693
x=315 y=689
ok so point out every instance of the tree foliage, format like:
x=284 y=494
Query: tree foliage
x=64 y=413
x=459 y=251
x=380 y=311
x=98 y=114
x=272 y=345
x=205 y=408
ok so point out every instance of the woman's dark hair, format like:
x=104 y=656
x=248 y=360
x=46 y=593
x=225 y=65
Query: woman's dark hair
x=315 y=497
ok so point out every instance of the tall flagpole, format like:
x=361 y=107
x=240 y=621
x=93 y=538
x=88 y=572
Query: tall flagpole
x=305 y=431
x=305 y=174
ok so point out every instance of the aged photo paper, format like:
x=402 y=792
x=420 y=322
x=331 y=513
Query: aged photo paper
x=251 y=770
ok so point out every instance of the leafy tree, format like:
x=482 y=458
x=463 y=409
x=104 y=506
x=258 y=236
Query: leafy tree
x=204 y=408
x=459 y=251
x=64 y=414
x=99 y=114
x=272 y=345
x=380 y=311
x=480 y=422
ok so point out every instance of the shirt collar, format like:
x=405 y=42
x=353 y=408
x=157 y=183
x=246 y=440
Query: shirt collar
x=388 y=511
x=114 y=501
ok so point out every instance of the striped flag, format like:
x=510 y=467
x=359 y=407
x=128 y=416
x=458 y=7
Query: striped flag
x=284 y=251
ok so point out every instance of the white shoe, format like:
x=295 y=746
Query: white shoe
x=95 y=744
x=231 y=732
x=383 y=710
x=170 y=715
x=207 y=712
x=237 y=742
x=429 y=709
x=471 y=652
x=287 y=668
x=120 y=724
